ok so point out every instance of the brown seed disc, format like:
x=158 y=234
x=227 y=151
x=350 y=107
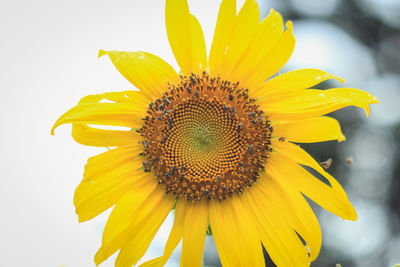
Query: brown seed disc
x=205 y=138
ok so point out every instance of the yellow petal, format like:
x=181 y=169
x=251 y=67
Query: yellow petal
x=90 y=136
x=273 y=61
x=267 y=34
x=174 y=238
x=116 y=114
x=147 y=72
x=95 y=196
x=222 y=36
x=135 y=248
x=156 y=262
x=295 y=153
x=312 y=103
x=185 y=37
x=130 y=96
x=100 y=164
x=199 y=51
x=243 y=34
x=291 y=173
x=235 y=234
x=191 y=221
x=292 y=207
x=178 y=23
x=194 y=236
x=277 y=236
x=293 y=81
x=312 y=130
x=130 y=215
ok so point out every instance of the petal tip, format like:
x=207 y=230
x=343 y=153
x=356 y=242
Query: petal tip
x=99 y=257
x=330 y=76
x=81 y=215
x=367 y=111
x=101 y=53
x=353 y=215
x=289 y=25
x=339 y=79
x=54 y=128
x=80 y=220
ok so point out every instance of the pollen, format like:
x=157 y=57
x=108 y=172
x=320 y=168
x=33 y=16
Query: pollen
x=205 y=138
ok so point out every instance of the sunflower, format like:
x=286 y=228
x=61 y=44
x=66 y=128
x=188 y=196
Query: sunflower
x=215 y=143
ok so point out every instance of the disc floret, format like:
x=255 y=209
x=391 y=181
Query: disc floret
x=205 y=138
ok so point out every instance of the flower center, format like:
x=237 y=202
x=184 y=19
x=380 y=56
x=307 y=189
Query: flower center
x=205 y=138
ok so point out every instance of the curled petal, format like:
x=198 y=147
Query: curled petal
x=313 y=103
x=116 y=114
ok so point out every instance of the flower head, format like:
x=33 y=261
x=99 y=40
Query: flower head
x=216 y=142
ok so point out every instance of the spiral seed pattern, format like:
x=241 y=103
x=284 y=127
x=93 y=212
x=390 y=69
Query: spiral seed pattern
x=205 y=138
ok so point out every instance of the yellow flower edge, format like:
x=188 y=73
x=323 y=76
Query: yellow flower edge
x=244 y=214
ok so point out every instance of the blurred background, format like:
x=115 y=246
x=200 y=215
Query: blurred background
x=48 y=62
